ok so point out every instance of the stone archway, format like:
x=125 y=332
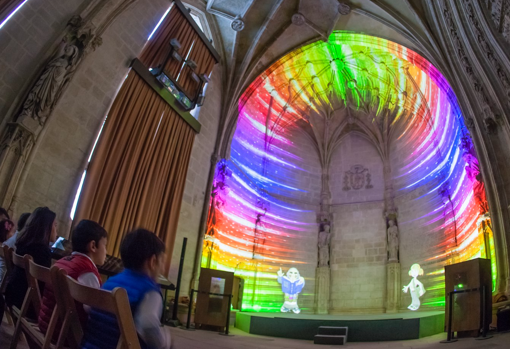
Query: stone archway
x=429 y=182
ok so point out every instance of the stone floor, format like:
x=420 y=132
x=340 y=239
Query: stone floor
x=240 y=340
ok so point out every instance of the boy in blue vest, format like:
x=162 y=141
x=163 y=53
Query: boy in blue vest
x=142 y=253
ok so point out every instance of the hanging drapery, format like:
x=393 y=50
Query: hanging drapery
x=7 y=6
x=194 y=46
x=137 y=175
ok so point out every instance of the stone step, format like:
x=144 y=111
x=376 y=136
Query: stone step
x=329 y=339
x=333 y=330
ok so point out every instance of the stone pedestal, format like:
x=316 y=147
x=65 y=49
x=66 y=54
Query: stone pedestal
x=393 y=287
x=322 y=289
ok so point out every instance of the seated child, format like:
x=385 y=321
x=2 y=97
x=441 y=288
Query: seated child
x=142 y=253
x=89 y=249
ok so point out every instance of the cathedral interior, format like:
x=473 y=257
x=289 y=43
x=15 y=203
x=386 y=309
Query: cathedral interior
x=336 y=157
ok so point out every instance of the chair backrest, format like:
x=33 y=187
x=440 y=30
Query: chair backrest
x=6 y=254
x=71 y=331
x=115 y=302
x=39 y=272
x=34 y=291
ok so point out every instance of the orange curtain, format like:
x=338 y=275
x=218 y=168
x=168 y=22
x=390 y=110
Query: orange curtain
x=177 y=26
x=137 y=175
x=7 y=6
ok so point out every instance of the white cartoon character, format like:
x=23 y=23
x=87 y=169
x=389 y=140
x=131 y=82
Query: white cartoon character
x=292 y=284
x=417 y=289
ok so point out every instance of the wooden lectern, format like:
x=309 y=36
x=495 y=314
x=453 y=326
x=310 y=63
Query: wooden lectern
x=213 y=309
x=471 y=283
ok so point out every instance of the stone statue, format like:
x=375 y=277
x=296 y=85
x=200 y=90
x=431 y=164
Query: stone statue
x=46 y=91
x=323 y=244
x=392 y=241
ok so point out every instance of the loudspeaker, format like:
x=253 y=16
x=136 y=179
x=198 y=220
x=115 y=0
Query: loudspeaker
x=468 y=307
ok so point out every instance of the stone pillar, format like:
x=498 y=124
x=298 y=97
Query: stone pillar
x=393 y=287
x=322 y=289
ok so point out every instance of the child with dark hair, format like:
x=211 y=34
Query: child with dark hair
x=11 y=242
x=89 y=249
x=142 y=253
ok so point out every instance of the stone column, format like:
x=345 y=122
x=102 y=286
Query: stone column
x=322 y=289
x=393 y=287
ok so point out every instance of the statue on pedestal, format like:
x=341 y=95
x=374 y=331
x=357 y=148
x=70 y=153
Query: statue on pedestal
x=393 y=241
x=323 y=245
x=44 y=95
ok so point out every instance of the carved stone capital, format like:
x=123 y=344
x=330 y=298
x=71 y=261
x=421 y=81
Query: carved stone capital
x=298 y=19
x=344 y=9
x=237 y=24
x=491 y=126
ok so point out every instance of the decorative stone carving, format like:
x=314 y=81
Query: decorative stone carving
x=42 y=98
x=485 y=103
x=322 y=290
x=237 y=24
x=473 y=173
x=298 y=19
x=344 y=9
x=79 y=38
x=357 y=178
x=393 y=241
x=393 y=286
x=486 y=47
x=323 y=245
x=48 y=88
x=15 y=147
x=490 y=126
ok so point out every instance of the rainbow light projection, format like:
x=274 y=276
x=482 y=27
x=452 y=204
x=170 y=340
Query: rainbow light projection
x=254 y=226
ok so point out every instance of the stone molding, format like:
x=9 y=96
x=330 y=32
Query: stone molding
x=486 y=103
x=81 y=36
x=498 y=68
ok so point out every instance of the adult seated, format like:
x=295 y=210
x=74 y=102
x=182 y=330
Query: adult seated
x=11 y=242
x=34 y=240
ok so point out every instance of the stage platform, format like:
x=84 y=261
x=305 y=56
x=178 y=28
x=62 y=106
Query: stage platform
x=362 y=327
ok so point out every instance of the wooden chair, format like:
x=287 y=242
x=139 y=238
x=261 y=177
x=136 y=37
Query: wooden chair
x=6 y=254
x=71 y=328
x=38 y=273
x=32 y=298
x=115 y=302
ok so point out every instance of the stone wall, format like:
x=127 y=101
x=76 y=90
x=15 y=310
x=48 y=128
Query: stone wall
x=61 y=156
x=356 y=150
x=196 y=181
x=420 y=235
x=298 y=228
x=358 y=244
x=25 y=43
x=62 y=153
x=358 y=257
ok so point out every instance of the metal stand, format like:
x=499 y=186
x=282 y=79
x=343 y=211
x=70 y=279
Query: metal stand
x=189 y=311
x=449 y=335
x=227 y=325
x=175 y=322
x=484 y=319
x=449 y=338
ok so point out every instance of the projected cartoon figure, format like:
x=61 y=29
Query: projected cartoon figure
x=292 y=285
x=416 y=287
